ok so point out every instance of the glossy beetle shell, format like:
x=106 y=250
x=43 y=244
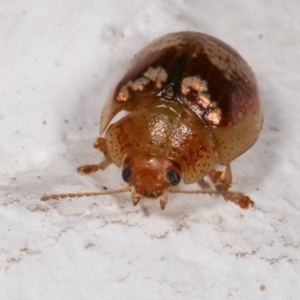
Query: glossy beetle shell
x=203 y=74
x=192 y=102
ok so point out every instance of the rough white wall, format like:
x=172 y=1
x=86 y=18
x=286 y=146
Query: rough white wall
x=58 y=61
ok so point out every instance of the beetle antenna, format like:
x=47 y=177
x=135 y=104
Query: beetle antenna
x=172 y=190
x=87 y=194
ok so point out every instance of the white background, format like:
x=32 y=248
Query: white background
x=58 y=62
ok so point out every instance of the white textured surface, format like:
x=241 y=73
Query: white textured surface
x=58 y=61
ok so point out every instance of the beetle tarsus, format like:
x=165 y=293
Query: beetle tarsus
x=88 y=169
x=239 y=199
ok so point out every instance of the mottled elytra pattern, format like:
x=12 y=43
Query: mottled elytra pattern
x=166 y=67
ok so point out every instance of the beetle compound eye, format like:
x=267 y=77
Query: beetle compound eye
x=173 y=177
x=126 y=174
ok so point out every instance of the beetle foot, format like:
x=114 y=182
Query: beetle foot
x=88 y=169
x=240 y=199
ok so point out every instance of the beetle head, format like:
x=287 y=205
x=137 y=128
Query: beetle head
x=150 y=175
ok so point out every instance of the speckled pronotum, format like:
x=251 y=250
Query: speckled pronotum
x=192 y=104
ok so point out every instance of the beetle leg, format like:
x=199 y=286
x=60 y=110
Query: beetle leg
x=99 y=144
x=238 y=198
x=222 y=180
x=88 y=169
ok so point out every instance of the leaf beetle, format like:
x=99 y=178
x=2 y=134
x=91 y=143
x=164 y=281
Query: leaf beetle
x=192 y=103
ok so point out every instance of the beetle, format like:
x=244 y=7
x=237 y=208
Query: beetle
x=192 y=103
